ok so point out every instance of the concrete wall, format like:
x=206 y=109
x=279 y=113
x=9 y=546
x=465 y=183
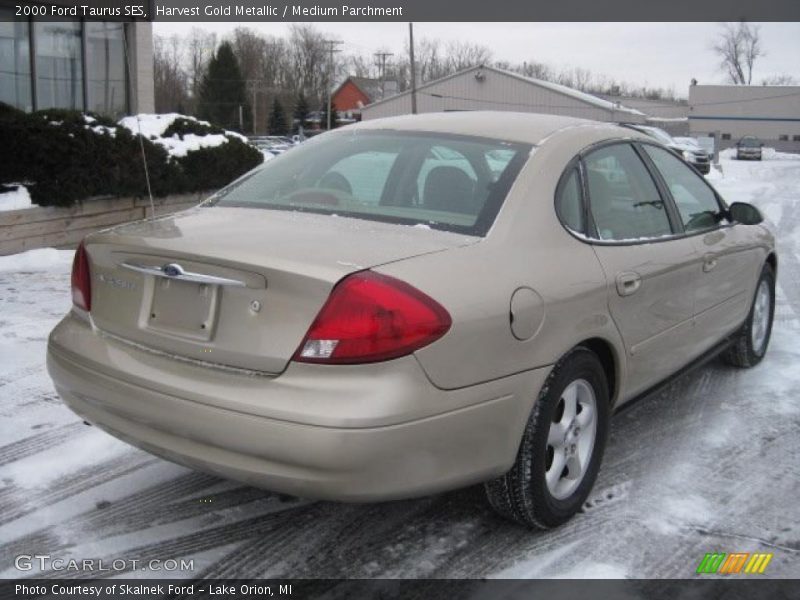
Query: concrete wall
x=767 y=112
x=492 y=90
x=42 y=227
x=140 y=37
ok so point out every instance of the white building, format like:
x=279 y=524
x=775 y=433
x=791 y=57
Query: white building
x=489 y=88
x=771 y=113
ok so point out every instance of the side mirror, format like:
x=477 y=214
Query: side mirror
x=744 y=213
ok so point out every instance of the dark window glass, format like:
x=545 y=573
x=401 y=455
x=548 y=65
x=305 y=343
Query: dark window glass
x=726 y=136
x=570 y=203
x=783 y=138
x=105 y=71
x=696 y=202
x=15 y=61
x=59 y=66
x=624 y=200
x=457 y=183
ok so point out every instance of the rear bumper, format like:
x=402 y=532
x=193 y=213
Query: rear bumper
x=357 y=433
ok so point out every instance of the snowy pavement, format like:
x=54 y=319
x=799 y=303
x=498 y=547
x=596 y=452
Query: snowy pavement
x=709 y=464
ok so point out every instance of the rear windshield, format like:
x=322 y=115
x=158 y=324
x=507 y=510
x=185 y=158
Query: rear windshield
x=749 y=142
x=455 y=183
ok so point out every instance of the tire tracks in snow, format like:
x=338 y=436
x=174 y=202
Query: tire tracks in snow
x=36 y=443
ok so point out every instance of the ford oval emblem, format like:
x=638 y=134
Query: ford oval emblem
x=172 y=270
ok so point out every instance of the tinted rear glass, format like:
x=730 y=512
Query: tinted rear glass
x=450 y=182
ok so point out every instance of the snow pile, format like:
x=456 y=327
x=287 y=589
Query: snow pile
x=153 y=128
x=32 y=261
x=15 y=199
x=99 y=129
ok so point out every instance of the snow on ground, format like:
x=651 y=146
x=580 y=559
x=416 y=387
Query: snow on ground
x=711 y=463
x=38 y=260
x=15 y=199
x=153 y=127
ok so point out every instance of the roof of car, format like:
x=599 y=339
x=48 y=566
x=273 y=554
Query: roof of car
x=531 y=128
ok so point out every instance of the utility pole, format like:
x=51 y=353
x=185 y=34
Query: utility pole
x=413 y=69
x=382 y=56
x=253 y=83
x=331 y=49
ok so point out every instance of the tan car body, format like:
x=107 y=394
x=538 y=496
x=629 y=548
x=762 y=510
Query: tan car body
x=451 y=414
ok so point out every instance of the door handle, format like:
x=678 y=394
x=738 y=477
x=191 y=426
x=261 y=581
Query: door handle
x=709 y=262
x=628 y=283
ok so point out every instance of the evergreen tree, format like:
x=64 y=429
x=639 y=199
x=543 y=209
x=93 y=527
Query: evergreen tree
x=222 y=91
x=301 y=111
x=277 y=119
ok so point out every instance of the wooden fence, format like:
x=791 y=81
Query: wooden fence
x=64 y=227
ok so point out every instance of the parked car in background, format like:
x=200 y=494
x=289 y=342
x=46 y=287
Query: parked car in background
x=749 y=148
x=273 y=144
x=691 y=152
x=417 y=304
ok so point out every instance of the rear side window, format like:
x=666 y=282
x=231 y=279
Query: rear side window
x=696 y=202
x=569 y=203
x=451 y=182
x=624 y=200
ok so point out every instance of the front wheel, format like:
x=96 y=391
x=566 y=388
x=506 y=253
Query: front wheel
x=561 y=448
x=751 y=341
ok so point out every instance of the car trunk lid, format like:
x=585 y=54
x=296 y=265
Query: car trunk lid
x=236 y=286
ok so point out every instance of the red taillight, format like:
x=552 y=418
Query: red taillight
x=81 y=280
x=371 y=317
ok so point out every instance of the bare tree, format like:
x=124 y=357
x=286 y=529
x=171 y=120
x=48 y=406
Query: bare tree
x=738 y=46
x=169 y=77
x=308 y=62
x=463 y=55
x=200 y=46
x=782 y=79
x=359 y=65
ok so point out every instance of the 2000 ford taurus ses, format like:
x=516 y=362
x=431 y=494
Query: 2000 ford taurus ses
x=416 y=304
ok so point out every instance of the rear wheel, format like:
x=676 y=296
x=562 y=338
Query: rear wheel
x=561 y=449
x=751 y=341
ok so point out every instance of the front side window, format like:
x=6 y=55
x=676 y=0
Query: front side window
x=696 y=201
x=451 y=182
x=625 y=202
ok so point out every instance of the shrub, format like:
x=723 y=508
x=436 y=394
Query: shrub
x=212 y=168
x=181 y=126
x=63 y=157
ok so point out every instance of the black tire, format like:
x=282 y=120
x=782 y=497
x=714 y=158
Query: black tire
x=741 y=353
x=522 y=494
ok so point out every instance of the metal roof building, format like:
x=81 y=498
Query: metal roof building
x=771 y=113
x=489 y=88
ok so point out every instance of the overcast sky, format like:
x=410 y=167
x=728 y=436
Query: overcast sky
x=652 y=54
